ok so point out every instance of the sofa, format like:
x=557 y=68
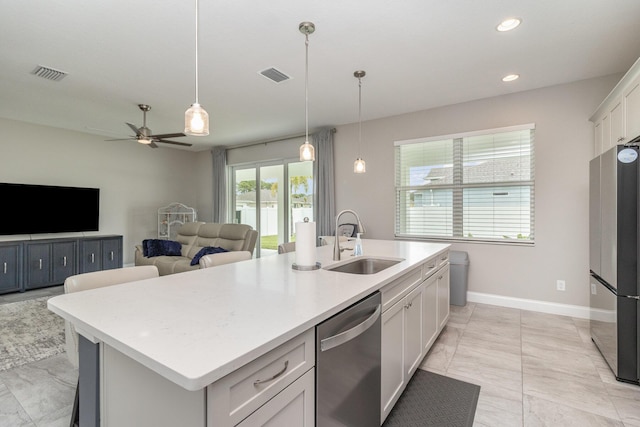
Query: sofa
x=198 y=245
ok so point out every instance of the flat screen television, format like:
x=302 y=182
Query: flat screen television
x=37 y=209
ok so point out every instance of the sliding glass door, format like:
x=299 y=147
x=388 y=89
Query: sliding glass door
x=262 y=200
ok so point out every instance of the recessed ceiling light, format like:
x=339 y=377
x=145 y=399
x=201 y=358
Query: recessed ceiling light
x=510 y=77
x=509 y=24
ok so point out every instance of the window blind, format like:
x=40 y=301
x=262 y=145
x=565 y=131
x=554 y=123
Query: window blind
x=475 y=186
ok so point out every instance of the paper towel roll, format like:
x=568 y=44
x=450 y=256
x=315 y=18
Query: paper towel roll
x=306 y=244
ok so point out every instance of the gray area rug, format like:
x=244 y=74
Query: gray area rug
x=29 y=332
x=435 y=400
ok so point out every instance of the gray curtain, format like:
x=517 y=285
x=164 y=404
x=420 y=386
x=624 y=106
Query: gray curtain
x=324 y=206
x=219 y=185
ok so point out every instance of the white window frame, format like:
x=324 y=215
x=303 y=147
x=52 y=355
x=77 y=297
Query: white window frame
x=456 y=233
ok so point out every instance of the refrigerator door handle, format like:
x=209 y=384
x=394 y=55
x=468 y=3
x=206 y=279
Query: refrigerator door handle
x=604 y=283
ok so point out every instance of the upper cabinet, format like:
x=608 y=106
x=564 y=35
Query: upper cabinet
x=617 y=119
x=631 y=100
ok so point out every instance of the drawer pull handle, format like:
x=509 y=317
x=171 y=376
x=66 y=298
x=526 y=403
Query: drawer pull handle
x=111 y=255
x=64 y=261
x=408 y=305
x=444 y=258
x=5 y=268
x=621 y=139
x=93 y=258
x=40 y=264
x=258 y=382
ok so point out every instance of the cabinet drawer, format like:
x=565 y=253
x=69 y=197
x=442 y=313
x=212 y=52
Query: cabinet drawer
x=443 y=259
x=237 y=395
x=397 y=289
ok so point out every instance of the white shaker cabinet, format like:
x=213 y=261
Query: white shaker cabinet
x=430 y=313
x=443 y=296
x=631 y=98
x=294 y=406
x=411 y=325
x=617 y=119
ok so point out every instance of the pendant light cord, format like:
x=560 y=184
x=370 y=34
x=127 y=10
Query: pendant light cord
x=306 y=88
x=197 y=51
x=359 y=116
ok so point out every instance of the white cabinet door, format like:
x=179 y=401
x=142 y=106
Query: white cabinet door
x=606 y=133
x=443 y=296
x=429 y=313
x=413 y=331
x=393 y=373
x=293 y=406
x=617 y=125
x=632 y=109
x=597 y=140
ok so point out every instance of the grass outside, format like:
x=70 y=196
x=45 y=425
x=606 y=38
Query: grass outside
x=271 y=242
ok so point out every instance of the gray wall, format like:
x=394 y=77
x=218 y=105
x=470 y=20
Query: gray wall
x=563 y=148
x=134 y=180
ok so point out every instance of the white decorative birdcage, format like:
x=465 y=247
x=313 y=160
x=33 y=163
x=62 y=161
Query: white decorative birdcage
x=171 y=217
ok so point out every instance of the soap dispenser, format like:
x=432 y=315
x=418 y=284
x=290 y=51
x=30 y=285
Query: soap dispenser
x=357 y=250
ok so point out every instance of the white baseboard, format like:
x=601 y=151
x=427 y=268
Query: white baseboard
x=531 y=305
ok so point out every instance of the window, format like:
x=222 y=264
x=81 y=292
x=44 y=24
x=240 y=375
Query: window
x=472 y=186
x=275 y=207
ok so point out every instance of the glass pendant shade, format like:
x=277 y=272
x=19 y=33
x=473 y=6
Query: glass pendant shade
x=359 y=166
x=196 y=121
x=307 y=152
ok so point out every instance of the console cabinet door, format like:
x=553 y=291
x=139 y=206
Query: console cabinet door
x=90 y=256
x=111 y=253
x=63 y=261
x=10 y=268
x=38 y=265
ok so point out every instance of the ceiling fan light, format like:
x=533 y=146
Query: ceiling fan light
x=359 y=166
x=196 y=121
x=307 y=152
x=145 y=141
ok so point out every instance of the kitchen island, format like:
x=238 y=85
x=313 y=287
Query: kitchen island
x=164 y=345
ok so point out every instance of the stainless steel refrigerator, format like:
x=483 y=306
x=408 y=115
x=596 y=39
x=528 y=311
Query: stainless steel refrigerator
x=614 y=258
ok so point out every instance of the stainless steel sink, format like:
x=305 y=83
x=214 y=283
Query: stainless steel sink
x=364 y=265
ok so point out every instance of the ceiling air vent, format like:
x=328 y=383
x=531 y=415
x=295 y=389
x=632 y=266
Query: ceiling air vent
x=274 y=75
x=49 y=73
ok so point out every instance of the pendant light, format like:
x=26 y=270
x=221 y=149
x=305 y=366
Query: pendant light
x=359 y=165
x=196 y=119
x=307 y=152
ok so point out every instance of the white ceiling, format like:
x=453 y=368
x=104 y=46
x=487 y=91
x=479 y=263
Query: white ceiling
x=418 y=54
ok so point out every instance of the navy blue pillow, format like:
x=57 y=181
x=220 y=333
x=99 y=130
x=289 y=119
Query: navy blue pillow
x=158 y=247
x=207 y=250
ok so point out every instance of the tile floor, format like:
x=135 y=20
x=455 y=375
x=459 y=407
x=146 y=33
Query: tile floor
x=534 y=369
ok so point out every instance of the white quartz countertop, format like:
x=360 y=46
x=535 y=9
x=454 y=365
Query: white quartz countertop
x=194 y=328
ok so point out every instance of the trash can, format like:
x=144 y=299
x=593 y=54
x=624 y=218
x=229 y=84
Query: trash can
x=459 y=263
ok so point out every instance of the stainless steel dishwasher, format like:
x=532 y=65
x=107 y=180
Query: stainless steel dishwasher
x=348 y=366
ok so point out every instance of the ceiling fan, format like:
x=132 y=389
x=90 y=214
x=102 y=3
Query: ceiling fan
x=144 y=136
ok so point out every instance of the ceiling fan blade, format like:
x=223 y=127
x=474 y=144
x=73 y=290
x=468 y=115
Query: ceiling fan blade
x=134 y=128
x=167 y=135
x=152 y=145
x=121 y=139
x=184 y=144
